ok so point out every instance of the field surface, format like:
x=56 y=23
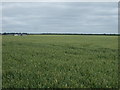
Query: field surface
x=60 y=61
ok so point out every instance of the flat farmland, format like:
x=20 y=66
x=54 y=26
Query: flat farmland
x=60 y=61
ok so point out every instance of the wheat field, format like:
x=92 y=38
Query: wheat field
x=60 y=61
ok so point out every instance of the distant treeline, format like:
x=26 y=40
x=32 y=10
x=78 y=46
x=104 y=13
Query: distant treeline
x=14 y=33
x=55 y=34
x=69 y=34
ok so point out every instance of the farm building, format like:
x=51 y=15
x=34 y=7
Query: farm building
x=16 y=35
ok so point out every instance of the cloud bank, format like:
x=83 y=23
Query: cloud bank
x=63 y=17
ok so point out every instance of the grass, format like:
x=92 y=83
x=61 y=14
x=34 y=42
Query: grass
x=60 y=61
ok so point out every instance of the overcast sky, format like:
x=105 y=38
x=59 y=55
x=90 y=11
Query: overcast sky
x=69 y=17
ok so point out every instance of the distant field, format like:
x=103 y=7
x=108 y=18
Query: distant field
x=60 y=61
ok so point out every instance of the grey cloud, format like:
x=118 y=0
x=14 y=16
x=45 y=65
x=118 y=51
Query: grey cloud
x=60 y=17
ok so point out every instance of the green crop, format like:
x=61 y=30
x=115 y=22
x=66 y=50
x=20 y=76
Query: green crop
x=60 y=61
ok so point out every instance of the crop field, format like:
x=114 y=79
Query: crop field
x=60 y=61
